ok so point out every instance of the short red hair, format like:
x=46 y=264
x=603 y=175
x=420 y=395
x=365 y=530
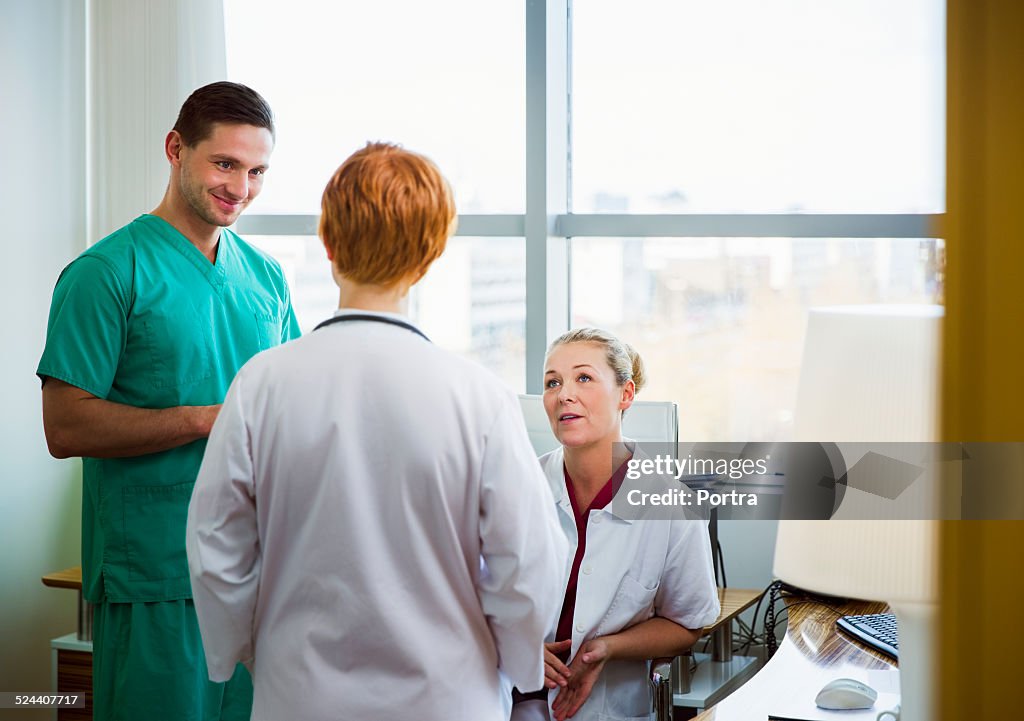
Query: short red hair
x=386 y=215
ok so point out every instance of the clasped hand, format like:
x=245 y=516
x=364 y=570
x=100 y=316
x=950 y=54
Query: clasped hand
x=576 y=680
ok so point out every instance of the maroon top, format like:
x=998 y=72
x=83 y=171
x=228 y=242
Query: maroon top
x=602 y=499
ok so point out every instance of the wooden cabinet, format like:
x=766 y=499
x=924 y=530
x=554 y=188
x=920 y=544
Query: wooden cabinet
x=72 y=673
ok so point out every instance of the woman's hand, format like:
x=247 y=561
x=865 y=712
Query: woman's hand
x=585 y=669
x=654 y=638
x=556 y=673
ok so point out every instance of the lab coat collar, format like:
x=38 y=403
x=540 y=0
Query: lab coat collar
x=381 y=313
x=557 y=480
x=396 y=319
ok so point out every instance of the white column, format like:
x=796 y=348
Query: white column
x=145 y=58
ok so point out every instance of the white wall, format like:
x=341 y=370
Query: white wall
x=42 y=207
x=749 y=550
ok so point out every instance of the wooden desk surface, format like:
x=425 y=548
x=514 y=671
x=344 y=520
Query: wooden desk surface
x=68 y=578
x=734 y=601
x=812 y=654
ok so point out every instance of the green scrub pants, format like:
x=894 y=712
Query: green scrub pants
x=148 y=663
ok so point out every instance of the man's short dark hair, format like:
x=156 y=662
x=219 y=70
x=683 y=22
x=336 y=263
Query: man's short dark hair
x=221 y=102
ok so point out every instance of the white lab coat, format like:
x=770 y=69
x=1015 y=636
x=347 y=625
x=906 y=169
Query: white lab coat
x=631 y=571
x=371 y=533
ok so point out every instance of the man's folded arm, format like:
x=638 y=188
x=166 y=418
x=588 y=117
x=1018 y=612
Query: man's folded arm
x=77 y=423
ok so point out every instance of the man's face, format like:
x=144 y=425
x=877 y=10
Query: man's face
x=221 y=175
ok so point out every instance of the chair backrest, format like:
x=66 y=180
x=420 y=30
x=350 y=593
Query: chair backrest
x=645 y=421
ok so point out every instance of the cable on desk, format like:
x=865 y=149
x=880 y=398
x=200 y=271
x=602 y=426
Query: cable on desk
x=694 y=663
x=779 y=591
x=775 y=592
x=770 y=641
x=743 y=639
x=811 y=597
x=748 y=635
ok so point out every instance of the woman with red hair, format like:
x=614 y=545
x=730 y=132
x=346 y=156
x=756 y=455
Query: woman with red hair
x=370 y=531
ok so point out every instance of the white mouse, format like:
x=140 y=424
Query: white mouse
x=846 y=693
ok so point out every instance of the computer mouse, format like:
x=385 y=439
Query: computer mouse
x=846 y=693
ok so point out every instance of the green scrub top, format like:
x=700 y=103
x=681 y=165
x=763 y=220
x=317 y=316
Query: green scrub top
x=144 y=319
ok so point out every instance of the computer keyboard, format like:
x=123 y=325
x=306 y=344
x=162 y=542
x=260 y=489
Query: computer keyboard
x=877 y=630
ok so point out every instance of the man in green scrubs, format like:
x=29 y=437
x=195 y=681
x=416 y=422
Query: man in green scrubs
x=146 y=330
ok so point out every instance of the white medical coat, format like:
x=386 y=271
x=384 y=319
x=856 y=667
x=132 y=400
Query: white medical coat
x=371 y=533
x=630 y=572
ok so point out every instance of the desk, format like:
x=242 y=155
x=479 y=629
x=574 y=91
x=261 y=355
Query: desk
x=812 y=653
x=719 y=672
x=72 y=578
x=71 y=655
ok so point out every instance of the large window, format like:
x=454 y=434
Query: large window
x=720 y=321
x=443 y=78
x=693 y=176
x=747 y=106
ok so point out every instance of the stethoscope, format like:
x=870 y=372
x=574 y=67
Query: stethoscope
x=373 y=319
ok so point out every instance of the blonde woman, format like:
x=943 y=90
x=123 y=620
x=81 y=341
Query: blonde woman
x=635 y=590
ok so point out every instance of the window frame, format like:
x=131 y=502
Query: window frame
x=547 y=226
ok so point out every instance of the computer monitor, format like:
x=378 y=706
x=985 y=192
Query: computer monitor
x=870 y=374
